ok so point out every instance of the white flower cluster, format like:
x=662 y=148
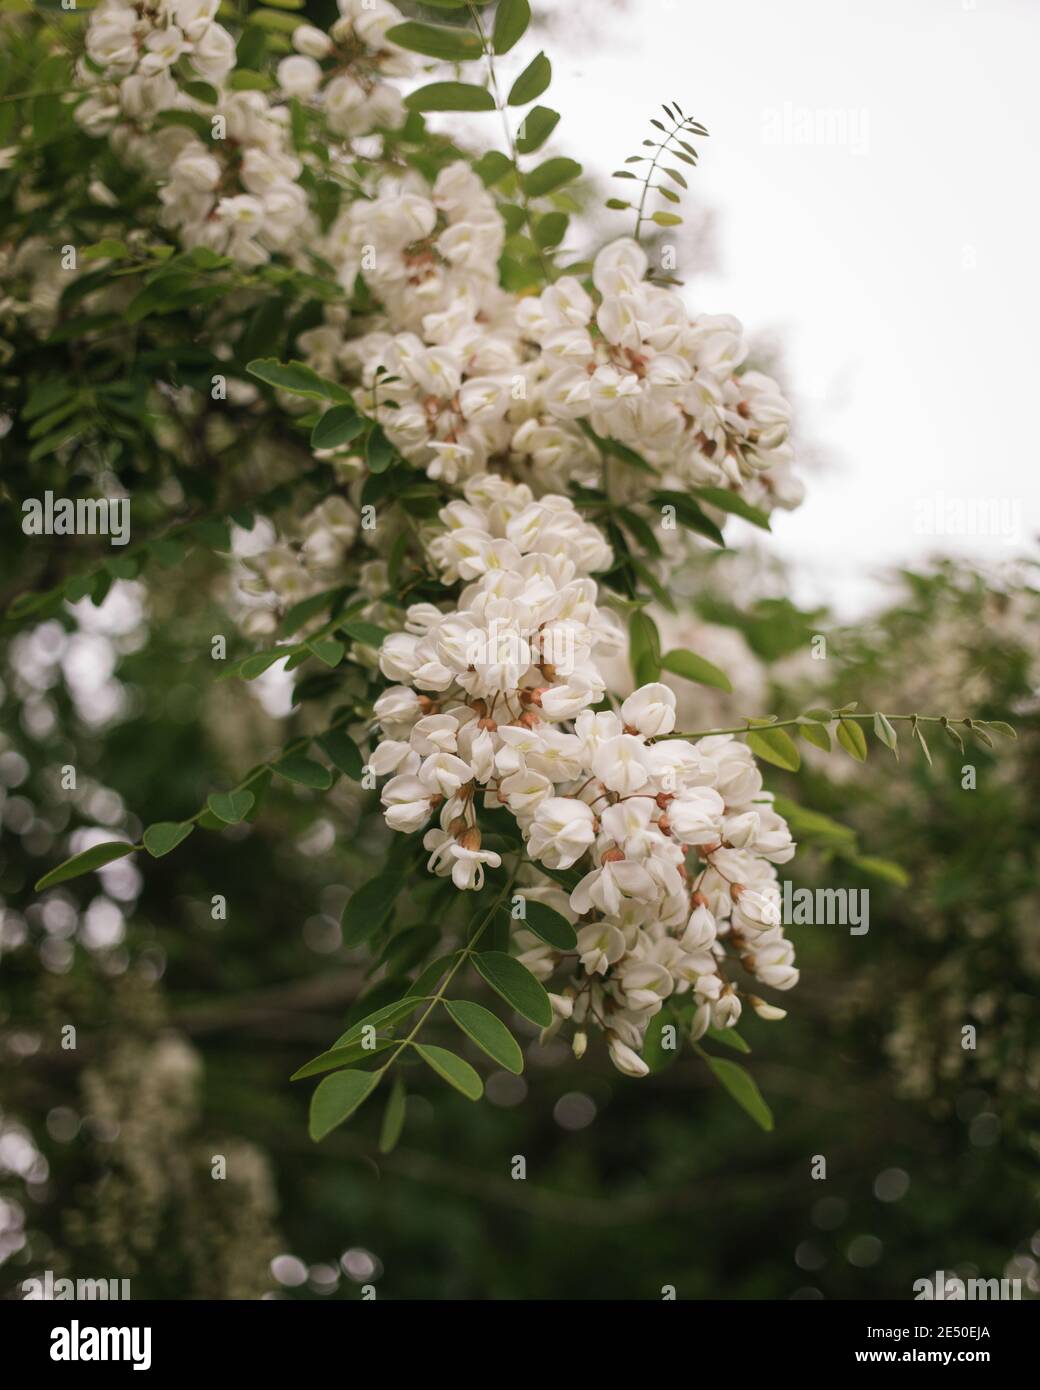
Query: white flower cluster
x=473 y=372
x=494 y=706
x=642 y=371
x=457 y=370
x=245 y=205
x=287 y=571
x=133 y=49
x=238 y=194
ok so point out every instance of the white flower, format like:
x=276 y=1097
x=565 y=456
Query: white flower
x=213 y=56
x=625 y=1059
x=196 y=169
x=194 y=17
x=610 y=887
x=311 y=41
x=299 y=76
x=463 y=859
x=650 y=710
x=393 y=755
x=644 y=984
x=163 y=48
x=407 y=802
x=561 y=831
x=726 y=1011
x=700 y=930
x=695 y=816
x=445 y=773
x=599 y=946
x=620 y=764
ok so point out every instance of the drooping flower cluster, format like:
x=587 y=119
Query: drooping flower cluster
x=499 y=700
x=498 y=703
x=473 y=372
x=635 y=364
x=458 y=371
x=239 y=192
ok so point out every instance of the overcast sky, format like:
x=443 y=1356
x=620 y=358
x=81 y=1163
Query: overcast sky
x=873 y=170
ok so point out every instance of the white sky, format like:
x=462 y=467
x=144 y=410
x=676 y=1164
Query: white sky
x=899 y=270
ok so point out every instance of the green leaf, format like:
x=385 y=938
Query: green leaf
x=551 y=229
x=999 y=727
x=271 y=19
x=852 y=739
x=511 y=20
x=816 y=734
x=244 y=80
x=885 y=732
x=165 y=835
x=532 y=82
x=695 y=668
x=775 y=746
x=725 y=501
x=203 y=91
x=328 y=651
x=230 y=807
x=393 y=1117
x=381 y=1018
x=617 y=450
x=644 y=647
x=342 y=752
x=918 y=734
x=688 y=512
x=368 y=907
x=488 y=1032
x=954 y=736
x=549 y=925
x=336 y=1099
x=337 y=426
x=666 y=219
x=728 y=1037
x=259 y=662
x=299 y=613
x=294 y=767
x=108 y=249
x=884 y=869
x=821 y=716
x=189 y=120
x=535 y=128
x=299 y=379
x=94 y=858
x=436 y=41
x=341 y=1056
x=379 y=452
x=741 y=1086
x=367 y=633
x=653 y=1051
x=450 y=96
x=454 y=1070
x=493 y=166
x=517 y=986
x=549 y=175
x=431 y=974
x=813 y=825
